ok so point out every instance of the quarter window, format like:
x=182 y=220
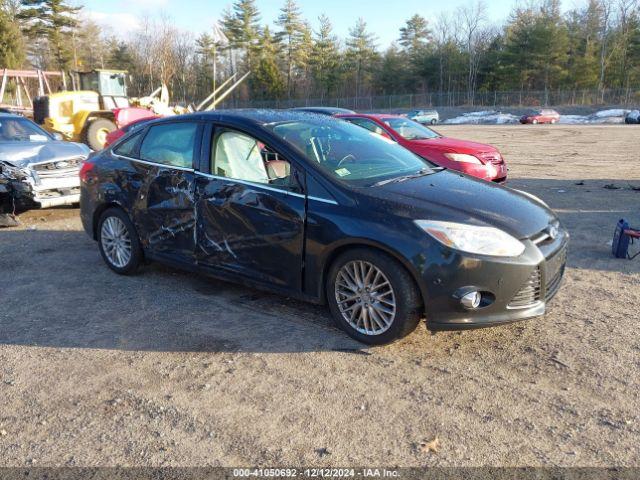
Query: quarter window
x=242 y=157
x=170 y=144
x=128 y=147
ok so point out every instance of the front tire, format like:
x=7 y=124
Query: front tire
x=434 y=121
x=118 y=242
x=534 y=122
x=372 y=297
x=95 y=134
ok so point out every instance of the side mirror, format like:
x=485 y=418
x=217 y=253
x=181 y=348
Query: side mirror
x=58 y=136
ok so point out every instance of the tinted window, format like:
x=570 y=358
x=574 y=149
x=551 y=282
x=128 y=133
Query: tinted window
x=170 y=144
x=127 y=148
x=348 y=152
x=242 y=157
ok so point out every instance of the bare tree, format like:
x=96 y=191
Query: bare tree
x=606 y=12
x=473 y=18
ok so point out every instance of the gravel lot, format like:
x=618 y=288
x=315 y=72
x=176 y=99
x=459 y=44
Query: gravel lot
x=169 y=368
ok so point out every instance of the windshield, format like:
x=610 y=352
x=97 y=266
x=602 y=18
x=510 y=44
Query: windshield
x=21 y=130
x=410 y=130
x=350 y=153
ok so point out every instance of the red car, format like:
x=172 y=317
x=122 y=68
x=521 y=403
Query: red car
x=116 y=134
x=540 y=116
x=476 y=159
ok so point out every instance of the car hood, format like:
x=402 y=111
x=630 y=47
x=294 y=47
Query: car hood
x=21 y=154
x=451 y=196
x=447 y=144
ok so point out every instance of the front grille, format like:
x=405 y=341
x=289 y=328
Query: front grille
x=58 y=165
x=554 y=278
x=529 y=293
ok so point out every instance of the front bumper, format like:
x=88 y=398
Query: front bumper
x=515 y=289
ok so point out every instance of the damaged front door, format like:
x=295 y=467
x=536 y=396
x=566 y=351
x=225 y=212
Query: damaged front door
x=166 y=219
x=251 y=212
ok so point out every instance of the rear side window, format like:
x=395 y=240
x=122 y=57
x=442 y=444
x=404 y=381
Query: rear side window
x=368 y=124
x=128 y=147
x=171 y=144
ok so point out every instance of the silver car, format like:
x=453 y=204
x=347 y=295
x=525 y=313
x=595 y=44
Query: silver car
x=37 y=169
x=425 y=117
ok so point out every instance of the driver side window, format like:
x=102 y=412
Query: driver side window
x=242 y=157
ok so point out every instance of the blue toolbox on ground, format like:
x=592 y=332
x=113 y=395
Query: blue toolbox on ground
x=624 y=236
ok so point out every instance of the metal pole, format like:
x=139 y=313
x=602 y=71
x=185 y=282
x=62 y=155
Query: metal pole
x=226 y=94
x=208 y=99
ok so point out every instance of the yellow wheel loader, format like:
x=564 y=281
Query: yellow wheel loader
x=88 y=114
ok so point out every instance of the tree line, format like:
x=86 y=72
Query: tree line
x=539 y=47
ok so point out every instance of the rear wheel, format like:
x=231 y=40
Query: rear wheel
x=534 y=121
x=553 y=121
x=372 y=297
x=95 y=134
x=118 y=242
x=434 y=121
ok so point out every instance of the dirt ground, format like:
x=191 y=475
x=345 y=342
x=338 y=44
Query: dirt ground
x=168 y=368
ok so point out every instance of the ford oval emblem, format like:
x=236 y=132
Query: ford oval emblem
x=62 y=164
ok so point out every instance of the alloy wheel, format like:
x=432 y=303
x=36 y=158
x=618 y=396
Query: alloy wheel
x=116 y=242
x=365 y=297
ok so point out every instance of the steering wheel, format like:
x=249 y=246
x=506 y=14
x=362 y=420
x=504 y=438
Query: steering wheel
x=346 y=158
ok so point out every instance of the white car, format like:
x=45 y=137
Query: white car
x=37 y=169
x=425 y=117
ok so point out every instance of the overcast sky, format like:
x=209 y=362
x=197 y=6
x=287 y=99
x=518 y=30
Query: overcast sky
x=384 y=17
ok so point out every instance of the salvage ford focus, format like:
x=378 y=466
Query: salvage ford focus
x=323 y=210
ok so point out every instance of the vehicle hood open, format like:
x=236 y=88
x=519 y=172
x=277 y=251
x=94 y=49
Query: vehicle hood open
x=451 y=196
x=21 y=154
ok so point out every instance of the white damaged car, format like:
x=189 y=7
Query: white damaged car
x=37 y=169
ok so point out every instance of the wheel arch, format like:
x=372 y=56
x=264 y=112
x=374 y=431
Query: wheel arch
x=97 y=213
x=339 y=249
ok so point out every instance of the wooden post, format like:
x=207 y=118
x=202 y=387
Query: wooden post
x=24 y=86
x=40 y=83
x=64 y=80
x=4 y=85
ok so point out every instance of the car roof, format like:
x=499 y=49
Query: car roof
x=323 y=109
x=374 y=116
x=259 y=117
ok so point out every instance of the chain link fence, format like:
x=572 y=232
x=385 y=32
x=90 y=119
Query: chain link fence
x=618 y=97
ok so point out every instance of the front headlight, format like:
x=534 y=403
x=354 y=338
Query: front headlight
x=463 y=157
x=471 y=239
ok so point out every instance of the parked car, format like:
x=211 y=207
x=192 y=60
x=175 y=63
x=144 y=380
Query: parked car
x=325 y=211
x=116 y=134
x=329 y=111
x=632 y=117
x=430 y=117
x=535 y=117
x=37 y=169
x=475 y=159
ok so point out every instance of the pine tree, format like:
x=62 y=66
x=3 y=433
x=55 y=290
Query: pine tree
x=266 y=81
x=12 y=54
x=415 y=34
x=52 y=20
x=325 y=57
x=241 y=25
x=291 y=37
x=361 y=53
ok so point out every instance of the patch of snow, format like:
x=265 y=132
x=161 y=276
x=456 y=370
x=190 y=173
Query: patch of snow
x=488 y=117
